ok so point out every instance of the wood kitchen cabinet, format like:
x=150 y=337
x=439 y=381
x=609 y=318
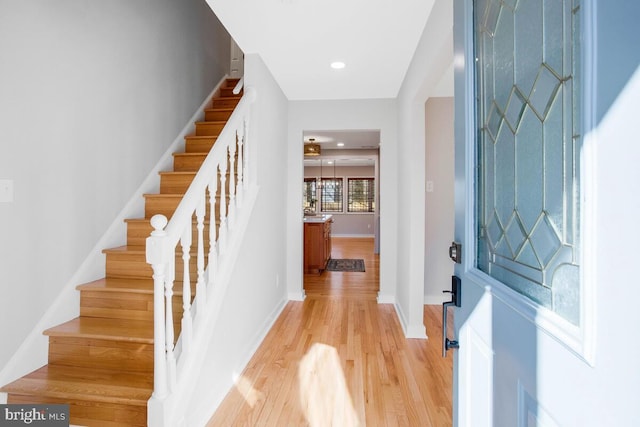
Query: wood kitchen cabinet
x=317 y=245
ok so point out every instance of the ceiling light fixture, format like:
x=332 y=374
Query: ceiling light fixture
x=311 y=149
x=338 y=65
x=340 y=144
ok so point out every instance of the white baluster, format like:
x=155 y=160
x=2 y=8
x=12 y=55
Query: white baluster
x=222 y=233
x=240 y=167
x=170 y=334
x=247 y=152
x=157 y=256
x=213 y=244
x=201 y=290
x=168 y=316
x=185 y=242
x=231 y=210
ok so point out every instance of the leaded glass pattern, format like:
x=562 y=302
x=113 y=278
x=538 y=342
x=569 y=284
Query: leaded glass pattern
x=527 y=219
x=331 y=195
x=309 y=195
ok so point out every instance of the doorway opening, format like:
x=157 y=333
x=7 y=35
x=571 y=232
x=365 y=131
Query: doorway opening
x=340 y=204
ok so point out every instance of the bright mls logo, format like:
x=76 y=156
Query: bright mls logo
x=34 y=415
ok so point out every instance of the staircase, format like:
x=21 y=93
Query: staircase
x=101 y=363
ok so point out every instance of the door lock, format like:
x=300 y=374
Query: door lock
x=449 y=344
x=455 y=252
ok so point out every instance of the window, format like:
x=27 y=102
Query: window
x=528 y=170
x=361 y=195
x=309 y=194
x=331 y=195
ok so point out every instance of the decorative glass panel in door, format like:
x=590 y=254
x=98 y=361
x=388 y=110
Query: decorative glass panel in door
x=527 y=194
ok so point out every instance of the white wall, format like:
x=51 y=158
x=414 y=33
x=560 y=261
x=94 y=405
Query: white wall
x=343 y=115
x=433 y=57
x=91 y=95
x=439 y=209
x=257 y=292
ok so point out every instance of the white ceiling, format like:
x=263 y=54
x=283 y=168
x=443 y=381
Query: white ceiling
x=298 y=40
x=352 y=139
x=365 y=141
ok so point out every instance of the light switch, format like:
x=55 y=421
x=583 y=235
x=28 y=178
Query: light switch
x=6 y=190
x=429 y=186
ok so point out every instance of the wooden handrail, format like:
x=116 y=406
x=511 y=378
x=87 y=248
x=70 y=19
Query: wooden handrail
x=238 y=86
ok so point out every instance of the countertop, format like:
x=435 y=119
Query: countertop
x=317 y=218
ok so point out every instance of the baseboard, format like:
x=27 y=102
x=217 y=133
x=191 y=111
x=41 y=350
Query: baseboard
x=386 y=299
x=416 y=332
x=202 y=417
x=260 y=336
x=410 y=331
x=32 y=353
x=436 y=299
x=296 y=296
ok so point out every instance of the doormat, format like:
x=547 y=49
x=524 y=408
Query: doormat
x=345 y=265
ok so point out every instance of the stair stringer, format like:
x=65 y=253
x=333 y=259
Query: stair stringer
x=32 y=353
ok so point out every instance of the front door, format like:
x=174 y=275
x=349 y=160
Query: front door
x=547 y=201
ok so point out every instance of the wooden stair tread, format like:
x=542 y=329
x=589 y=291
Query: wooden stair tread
x=236 y=97
x=129 y=285
x=137 y=250
x=126 y=248
x=110 y=284
x=220 y=108
x=146 y=221
x=211 y=122
x=87 y=384
x=185 y=173
x=196 y=154
x=200 y=137
x=140 y=331
x=165 y=195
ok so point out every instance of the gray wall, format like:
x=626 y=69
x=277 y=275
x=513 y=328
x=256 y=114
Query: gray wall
x=429 y=65
x=91 y=95
x=347 y=224
x=439 y=202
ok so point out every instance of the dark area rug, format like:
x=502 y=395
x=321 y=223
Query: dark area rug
x=345 y=265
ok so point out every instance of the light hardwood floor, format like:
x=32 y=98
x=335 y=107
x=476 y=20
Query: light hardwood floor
x=340 y=359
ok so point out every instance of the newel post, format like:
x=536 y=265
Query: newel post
x=157 y=255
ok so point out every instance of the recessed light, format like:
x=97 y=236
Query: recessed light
x=340 y=144
x=338 y=65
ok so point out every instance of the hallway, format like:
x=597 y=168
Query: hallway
x=341 y=358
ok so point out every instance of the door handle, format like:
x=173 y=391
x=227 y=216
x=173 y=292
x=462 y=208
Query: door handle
x=456 y=301
x=447 y=344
